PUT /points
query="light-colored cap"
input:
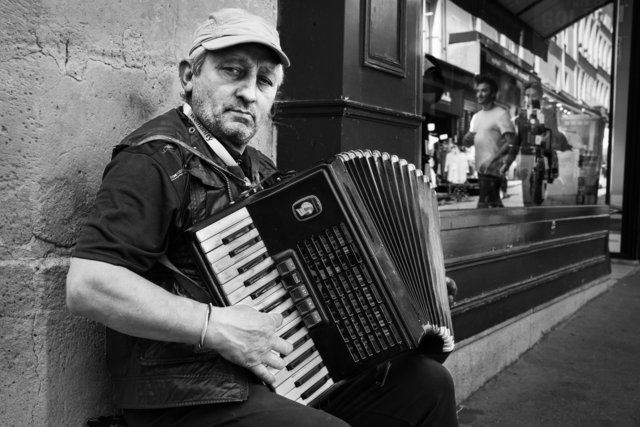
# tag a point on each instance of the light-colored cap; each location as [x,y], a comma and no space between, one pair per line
[230,27]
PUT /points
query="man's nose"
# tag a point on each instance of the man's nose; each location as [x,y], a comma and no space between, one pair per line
[247,89]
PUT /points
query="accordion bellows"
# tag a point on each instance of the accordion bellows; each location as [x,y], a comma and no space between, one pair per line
[349,252]
[405,213]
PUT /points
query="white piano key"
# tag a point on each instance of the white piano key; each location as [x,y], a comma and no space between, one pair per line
[225,250]
[222,224]
[265,299]
[244,291]
[285,383]
[318,392]
[284,374]
[297,352]
[296,392]
[216,240]
[226,268]
[238,281]
[286,332]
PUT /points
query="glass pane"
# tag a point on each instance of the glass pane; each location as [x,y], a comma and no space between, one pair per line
[561,132]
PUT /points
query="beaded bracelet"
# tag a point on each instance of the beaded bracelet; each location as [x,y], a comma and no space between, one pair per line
[205,326]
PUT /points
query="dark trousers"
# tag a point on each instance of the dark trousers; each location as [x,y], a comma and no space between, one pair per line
[416,391]
[489,189]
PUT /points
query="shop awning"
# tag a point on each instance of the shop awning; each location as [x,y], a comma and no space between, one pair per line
[531,23]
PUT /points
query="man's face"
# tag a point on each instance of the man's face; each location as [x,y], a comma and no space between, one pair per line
[530,95]
[484,94]
[234,91]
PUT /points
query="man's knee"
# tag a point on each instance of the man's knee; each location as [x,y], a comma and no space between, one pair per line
[427,375]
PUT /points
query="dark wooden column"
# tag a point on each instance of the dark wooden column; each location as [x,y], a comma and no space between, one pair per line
[355,79]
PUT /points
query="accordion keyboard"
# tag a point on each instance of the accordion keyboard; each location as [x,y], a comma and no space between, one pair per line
[248,275]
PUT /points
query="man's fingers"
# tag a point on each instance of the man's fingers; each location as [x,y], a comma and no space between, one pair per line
[281,346]
[273,360]
[263,373]
[277,319]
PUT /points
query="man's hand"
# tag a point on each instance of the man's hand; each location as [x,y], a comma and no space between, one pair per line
[247,337]
[452,289]
[468,139]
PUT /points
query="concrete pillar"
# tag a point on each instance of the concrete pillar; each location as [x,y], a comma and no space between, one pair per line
[76,76]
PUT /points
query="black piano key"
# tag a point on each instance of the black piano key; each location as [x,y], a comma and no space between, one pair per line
[300,341]
[271,307]
[236,234]
[307,376]
[263,289]
[255,261]
[288,311]
[309,392]
[291,331]
[300,359]
[244,246]
[253,279]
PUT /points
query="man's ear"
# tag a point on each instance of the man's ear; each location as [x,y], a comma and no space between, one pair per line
[186,75]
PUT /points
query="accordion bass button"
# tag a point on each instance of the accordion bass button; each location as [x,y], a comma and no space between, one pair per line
[285,267]
[305,306]
[299,293]
[312,319]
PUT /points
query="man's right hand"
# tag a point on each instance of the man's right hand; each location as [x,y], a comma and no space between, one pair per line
[247,337]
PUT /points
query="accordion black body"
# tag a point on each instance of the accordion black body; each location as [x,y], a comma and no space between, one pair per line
[349,252]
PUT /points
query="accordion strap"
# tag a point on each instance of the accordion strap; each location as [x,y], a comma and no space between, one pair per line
[195,290]
[196,153]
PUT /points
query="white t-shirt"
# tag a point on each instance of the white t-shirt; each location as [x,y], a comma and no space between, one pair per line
[489,125]
[456,166]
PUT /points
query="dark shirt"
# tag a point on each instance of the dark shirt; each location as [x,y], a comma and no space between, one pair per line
[150,194]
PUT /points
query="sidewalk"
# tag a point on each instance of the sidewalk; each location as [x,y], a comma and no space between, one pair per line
[585,372]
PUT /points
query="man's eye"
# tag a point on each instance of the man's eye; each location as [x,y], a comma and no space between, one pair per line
[234,71]
[265,81]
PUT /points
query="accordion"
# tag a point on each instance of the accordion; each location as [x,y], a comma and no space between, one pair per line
[349,253]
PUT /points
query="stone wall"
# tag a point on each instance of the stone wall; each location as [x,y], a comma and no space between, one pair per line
[76,76]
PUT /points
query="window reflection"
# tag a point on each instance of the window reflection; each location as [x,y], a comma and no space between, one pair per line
[573,90]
